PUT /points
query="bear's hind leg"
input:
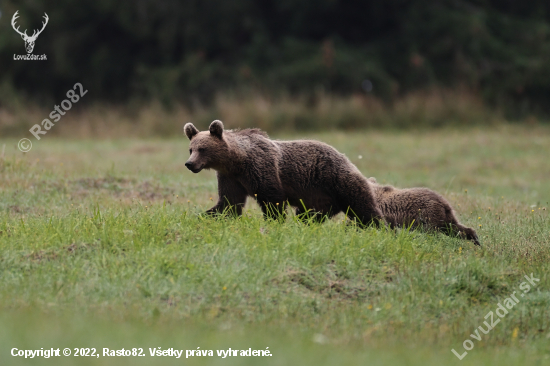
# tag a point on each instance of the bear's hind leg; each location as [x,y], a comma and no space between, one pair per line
[361,207]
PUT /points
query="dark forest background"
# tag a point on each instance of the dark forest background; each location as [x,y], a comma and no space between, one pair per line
[191,50]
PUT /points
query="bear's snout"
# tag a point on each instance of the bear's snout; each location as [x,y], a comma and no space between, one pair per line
[192,167]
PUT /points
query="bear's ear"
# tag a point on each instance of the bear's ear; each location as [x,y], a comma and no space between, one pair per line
[372,180]
[190,130]
[216,129]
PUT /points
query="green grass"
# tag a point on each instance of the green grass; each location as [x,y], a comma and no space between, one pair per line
[101,245]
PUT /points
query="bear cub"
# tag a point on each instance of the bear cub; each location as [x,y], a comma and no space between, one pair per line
[419,207]
[309,175]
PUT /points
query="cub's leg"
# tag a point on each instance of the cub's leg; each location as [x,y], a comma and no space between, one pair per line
[468,233]
[452,224]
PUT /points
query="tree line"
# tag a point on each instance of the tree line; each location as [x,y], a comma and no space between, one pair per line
[190,50]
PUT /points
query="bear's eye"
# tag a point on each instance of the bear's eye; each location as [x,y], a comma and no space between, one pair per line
[202,149]
[190,151]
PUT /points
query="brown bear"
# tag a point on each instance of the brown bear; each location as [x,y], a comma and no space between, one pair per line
[419,207]
[309,175]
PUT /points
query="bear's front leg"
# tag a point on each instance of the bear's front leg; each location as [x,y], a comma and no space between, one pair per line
[272,203]
[232,197]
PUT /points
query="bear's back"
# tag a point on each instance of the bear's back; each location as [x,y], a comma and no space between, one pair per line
[249,132]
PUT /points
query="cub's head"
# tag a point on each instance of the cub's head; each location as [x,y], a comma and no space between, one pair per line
[208,149]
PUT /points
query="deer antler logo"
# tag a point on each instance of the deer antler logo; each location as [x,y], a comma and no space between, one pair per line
[29,41]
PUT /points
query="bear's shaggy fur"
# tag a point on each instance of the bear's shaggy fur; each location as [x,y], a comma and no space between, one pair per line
[309,175]
[419,207]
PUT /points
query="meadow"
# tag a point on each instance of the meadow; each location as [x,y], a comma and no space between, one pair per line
[102,245]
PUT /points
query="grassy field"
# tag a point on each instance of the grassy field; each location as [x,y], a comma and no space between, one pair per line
[101,246]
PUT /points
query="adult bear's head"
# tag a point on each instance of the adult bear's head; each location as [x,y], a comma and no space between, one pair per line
[208,148]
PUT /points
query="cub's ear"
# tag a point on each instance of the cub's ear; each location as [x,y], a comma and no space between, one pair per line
[372,180]
[190,130]
[216,129]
